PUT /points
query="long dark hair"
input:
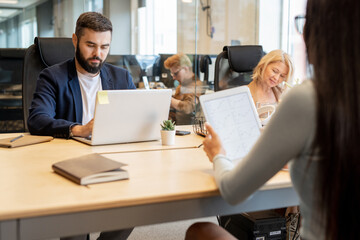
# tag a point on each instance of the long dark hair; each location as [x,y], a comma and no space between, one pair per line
[332,38]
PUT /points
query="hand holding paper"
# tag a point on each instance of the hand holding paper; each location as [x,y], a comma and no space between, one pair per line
[212,143]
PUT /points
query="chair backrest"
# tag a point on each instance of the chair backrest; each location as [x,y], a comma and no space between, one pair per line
[205,61]
[44,53]
[234,66]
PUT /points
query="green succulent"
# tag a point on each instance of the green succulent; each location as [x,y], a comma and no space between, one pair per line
[168,125]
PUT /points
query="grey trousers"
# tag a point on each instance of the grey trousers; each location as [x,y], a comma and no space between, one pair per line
[113,235]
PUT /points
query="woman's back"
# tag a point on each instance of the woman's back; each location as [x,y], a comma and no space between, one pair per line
[332,38]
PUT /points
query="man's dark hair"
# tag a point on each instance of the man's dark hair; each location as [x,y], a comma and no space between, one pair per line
[94,21]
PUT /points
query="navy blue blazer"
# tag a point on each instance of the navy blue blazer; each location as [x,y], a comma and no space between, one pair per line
[57,102]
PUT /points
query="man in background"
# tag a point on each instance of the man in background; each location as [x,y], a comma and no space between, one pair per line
[186,97]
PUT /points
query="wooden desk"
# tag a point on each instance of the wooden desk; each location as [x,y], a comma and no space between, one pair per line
[164,185]
[187,141]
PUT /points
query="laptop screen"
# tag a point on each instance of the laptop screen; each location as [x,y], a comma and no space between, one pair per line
[129,115]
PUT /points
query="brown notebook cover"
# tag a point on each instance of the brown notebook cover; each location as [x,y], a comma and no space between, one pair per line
[24,140]
[91,168]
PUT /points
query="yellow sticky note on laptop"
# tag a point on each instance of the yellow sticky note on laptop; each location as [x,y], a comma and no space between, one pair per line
[103,97]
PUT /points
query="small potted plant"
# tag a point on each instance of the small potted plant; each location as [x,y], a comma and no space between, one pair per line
[168,132]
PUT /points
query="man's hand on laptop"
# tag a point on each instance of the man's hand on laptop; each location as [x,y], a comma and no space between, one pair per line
[83,130]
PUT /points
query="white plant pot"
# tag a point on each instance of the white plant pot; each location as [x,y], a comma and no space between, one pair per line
[167,137]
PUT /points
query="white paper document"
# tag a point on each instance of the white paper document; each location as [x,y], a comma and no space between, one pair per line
[233,116]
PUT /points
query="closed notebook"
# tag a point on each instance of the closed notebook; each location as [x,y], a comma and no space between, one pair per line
[23,140]
[91,168]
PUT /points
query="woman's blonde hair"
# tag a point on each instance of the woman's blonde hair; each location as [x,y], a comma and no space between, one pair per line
[178,60]
[273,56]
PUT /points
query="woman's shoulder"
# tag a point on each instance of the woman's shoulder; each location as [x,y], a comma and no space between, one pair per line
[252,87]
[301,96]
[305,89]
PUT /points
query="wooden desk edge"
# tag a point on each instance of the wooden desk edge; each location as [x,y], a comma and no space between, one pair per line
[120,204]
[102,205]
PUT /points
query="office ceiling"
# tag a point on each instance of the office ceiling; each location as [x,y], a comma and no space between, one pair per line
[11,8]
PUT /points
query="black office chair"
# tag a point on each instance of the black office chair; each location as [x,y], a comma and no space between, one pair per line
[44,53]
[205,61]
[234,66]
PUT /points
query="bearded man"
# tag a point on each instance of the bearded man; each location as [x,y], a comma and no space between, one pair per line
[64,99]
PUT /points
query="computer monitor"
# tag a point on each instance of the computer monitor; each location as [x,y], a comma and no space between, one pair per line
[11,113]
[11,63]
[165,75]
[150,66]
[138,66]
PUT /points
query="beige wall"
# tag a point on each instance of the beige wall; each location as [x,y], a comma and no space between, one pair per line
[119,12]
[232,20]
[66,13]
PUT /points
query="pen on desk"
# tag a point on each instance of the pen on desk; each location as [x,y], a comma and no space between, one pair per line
[14,139]
[200,145]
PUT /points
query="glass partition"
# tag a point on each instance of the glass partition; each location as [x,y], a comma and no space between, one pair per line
[147,32]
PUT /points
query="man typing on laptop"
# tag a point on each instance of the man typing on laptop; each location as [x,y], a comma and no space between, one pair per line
[64,99]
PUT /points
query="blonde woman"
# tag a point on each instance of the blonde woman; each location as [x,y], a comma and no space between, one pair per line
[269,76]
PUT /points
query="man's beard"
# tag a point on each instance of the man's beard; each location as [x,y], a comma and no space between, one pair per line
[84,62]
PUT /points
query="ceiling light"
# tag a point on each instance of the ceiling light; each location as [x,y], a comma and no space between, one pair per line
[9,1]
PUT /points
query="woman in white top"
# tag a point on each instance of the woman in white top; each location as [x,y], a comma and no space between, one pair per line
[316,127]
[269,76]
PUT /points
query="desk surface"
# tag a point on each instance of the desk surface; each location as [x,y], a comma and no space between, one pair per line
[186,141]
[182,142]
[30,188]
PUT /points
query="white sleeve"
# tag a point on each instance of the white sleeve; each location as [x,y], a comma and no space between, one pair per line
[283,139]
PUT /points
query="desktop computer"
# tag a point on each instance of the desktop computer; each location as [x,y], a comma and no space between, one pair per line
[263,225]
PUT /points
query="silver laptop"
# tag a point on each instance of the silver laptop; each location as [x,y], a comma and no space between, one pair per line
[233,116]
[123,116]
